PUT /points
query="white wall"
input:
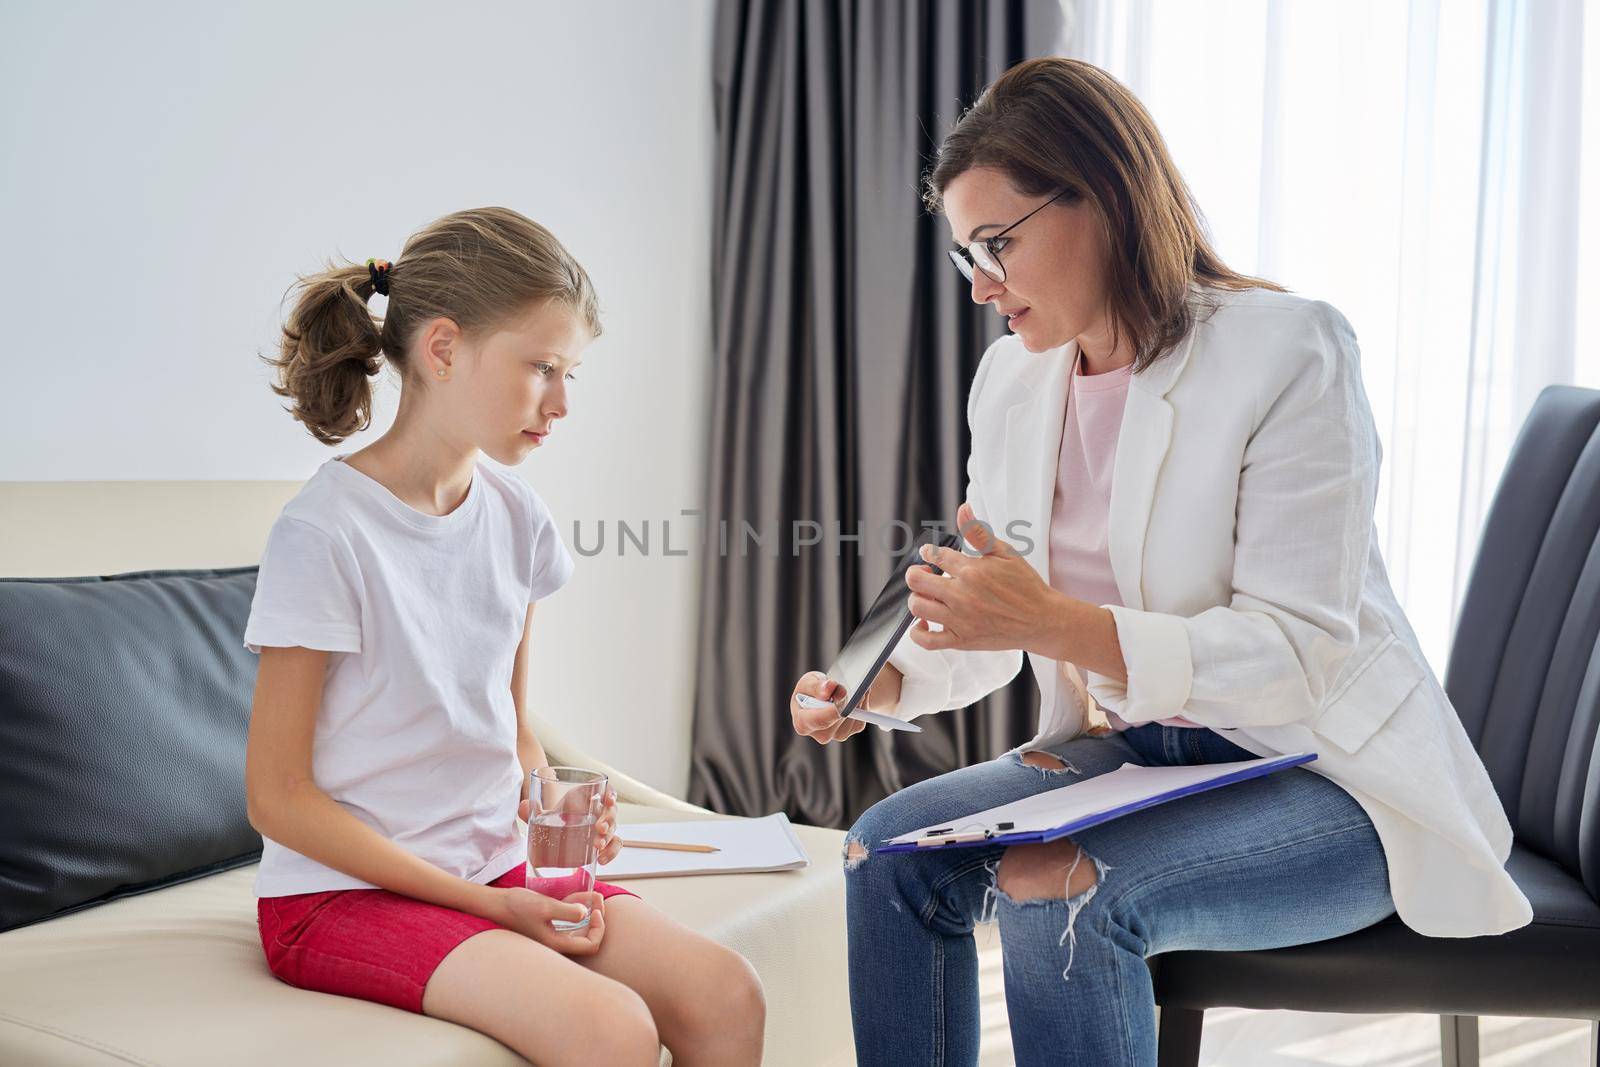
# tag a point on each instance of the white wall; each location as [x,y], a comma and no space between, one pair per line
[165,171]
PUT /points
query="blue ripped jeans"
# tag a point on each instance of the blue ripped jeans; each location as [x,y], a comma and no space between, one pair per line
[1281,860]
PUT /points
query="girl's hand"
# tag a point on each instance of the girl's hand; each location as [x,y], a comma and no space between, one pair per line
[606,841]
[529,914]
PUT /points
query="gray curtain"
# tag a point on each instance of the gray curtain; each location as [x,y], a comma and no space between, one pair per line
[844,346]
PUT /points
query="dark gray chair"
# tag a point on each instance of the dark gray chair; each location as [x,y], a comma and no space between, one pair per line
[1524,676]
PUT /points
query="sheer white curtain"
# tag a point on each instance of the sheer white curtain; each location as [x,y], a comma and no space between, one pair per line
[1418,165]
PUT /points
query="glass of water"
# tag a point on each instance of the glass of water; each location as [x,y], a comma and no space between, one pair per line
[566,804]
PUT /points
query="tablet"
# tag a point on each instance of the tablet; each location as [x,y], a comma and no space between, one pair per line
[874,641]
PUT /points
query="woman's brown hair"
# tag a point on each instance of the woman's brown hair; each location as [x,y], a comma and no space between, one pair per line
[479,268]
[1054,123]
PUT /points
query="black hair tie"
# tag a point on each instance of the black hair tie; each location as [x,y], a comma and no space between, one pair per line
[378,271]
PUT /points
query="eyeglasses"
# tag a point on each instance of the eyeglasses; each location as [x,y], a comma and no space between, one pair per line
[984,255]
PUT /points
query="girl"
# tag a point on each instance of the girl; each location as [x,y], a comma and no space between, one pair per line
[393,615]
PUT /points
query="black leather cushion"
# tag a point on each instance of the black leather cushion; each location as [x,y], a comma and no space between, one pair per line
[1550,968]
[1524,671]
[124,703]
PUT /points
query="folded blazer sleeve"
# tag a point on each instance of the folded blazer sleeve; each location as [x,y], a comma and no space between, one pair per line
[937,680]
[1307,488]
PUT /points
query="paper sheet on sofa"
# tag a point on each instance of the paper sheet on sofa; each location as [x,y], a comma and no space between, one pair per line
[1059,812]
[748,846]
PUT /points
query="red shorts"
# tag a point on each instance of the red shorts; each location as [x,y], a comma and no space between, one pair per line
[370,943]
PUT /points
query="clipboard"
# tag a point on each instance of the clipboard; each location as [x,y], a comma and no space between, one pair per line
[1056,813]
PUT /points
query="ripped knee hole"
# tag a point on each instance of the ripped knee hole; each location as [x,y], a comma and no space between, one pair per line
[1046,763]
[1052,871]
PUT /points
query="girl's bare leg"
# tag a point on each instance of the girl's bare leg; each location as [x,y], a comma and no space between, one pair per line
[542,1005]
[706,1000]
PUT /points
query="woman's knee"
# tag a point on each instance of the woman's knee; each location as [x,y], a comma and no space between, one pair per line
[1054,870]
[1045,761]
[876,825]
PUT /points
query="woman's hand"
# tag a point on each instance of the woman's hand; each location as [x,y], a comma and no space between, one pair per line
[823,725]
[529,914]
[992,602]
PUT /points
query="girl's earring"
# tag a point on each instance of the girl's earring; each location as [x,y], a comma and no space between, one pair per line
[440,372]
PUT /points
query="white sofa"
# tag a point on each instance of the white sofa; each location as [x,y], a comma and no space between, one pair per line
[176,977]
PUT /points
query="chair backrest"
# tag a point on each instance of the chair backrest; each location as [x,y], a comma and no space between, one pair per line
[1524,671]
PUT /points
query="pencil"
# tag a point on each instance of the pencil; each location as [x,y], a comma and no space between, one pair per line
[670,847]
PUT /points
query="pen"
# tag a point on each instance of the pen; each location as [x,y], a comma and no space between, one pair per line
[946,835]
[925,842]
[668,846]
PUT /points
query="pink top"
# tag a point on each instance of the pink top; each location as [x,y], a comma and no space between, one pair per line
[1080,551]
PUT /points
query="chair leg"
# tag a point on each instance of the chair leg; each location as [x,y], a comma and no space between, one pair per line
[1458,1040]
[1178,1037]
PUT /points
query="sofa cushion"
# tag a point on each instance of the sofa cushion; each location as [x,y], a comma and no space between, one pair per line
[177,977]
[124,705]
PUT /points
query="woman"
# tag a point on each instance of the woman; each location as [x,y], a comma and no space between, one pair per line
[1170,495]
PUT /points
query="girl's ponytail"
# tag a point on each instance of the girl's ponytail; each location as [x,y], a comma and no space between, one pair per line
[330,352]
[479,268]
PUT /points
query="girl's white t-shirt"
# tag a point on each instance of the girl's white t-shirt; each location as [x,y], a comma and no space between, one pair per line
[422,615]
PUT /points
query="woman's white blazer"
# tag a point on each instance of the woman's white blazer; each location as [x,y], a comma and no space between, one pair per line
[1254,598]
